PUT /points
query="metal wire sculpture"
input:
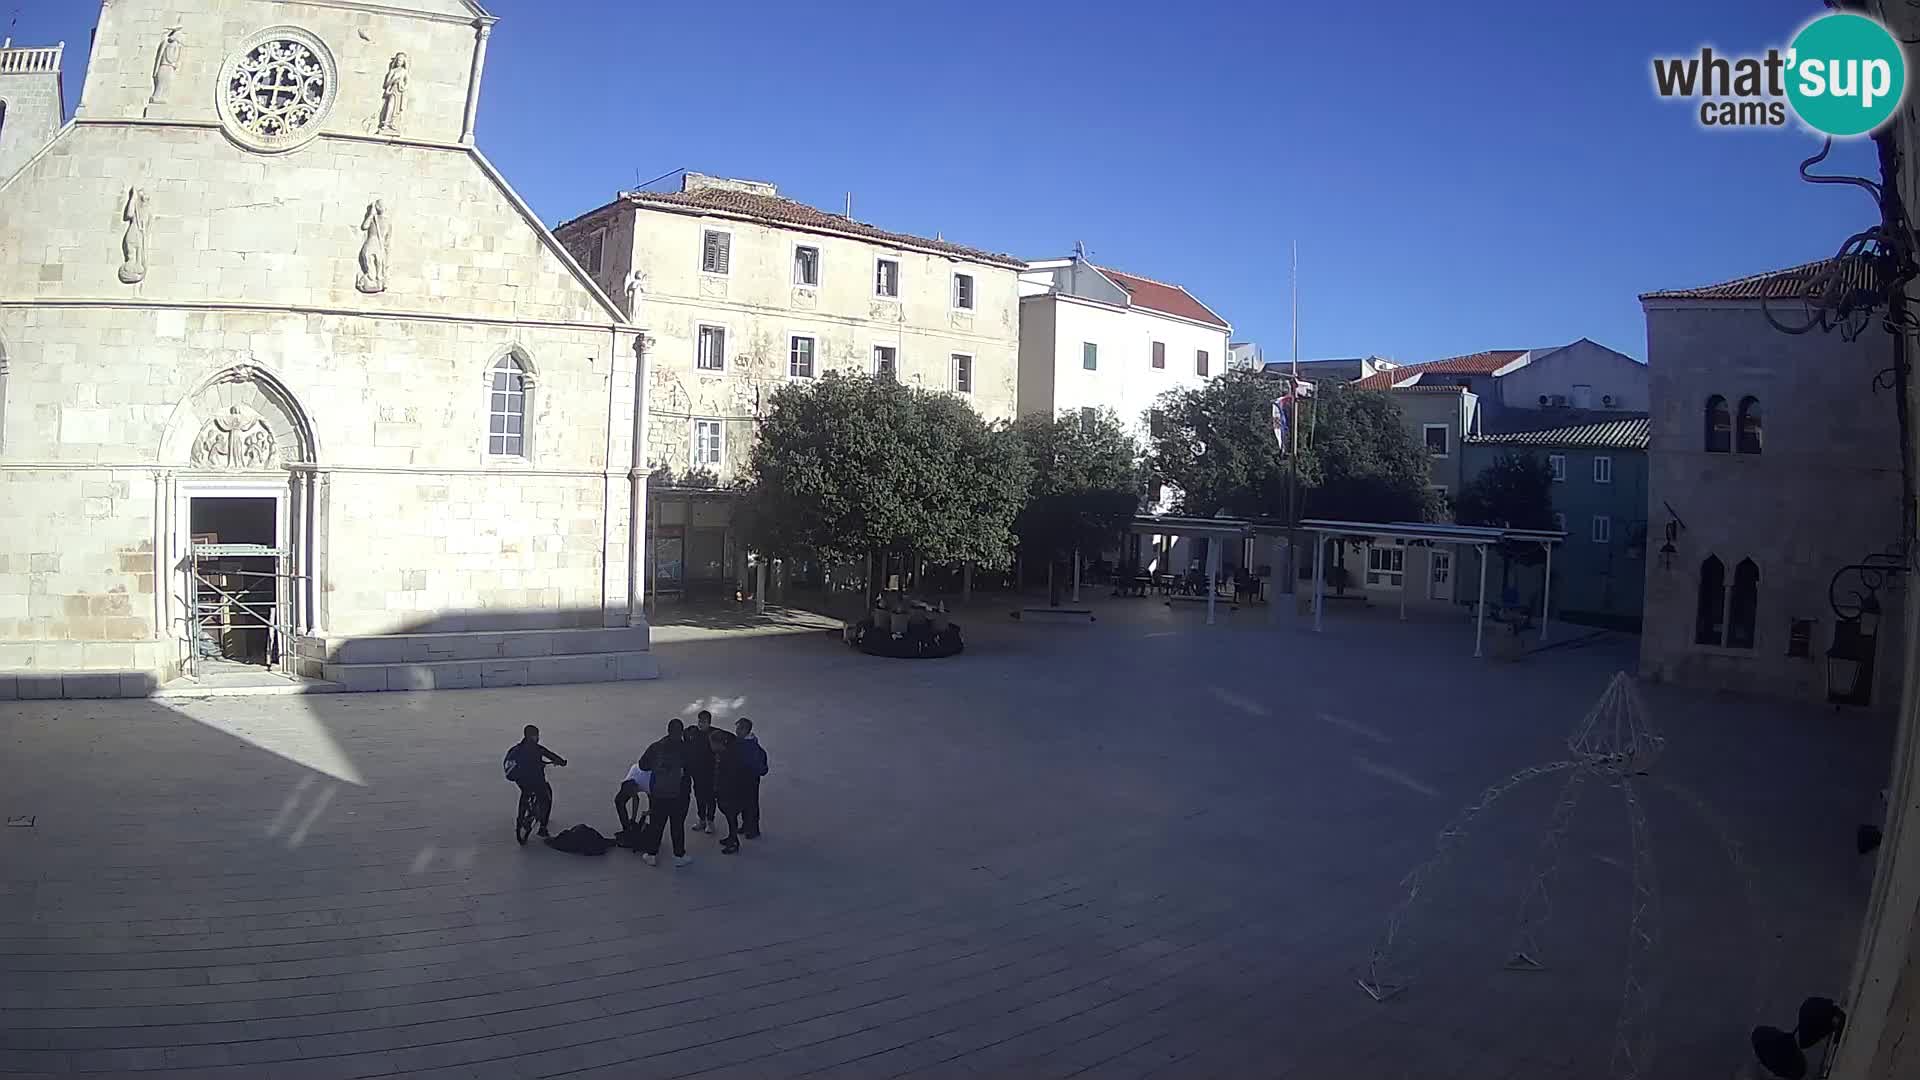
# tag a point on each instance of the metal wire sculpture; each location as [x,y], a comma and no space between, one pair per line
[1616,745]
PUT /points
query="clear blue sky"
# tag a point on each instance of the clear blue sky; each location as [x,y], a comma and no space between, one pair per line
[1458,178]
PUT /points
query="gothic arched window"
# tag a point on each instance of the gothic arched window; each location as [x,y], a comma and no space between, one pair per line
[510,386]
[1749,429]
[1709,624]
[1744,605]
[1719,426]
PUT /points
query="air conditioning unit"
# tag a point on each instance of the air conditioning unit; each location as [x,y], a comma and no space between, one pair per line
[1544,399]
[1557,400]
[1607,400]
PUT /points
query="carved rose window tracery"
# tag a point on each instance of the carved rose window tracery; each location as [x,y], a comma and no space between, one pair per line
[277,89]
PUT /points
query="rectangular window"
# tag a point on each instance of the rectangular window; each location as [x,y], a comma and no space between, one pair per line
[886,277]
[1800,637]
[1603,470]
[1088,416]
[963,373]
[1436,436]
[1386,566]
[506,418]
[1559,522]
[1089,355]
[709,443]
[1159,354]
[963,291]
[597,251]
[1602,529]
[800,358]
[712,353]
[1200,361]
[884,361]
[1557,464]
[716,252]
[806,266]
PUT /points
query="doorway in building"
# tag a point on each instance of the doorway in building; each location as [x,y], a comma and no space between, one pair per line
[1439,574]
[236,565]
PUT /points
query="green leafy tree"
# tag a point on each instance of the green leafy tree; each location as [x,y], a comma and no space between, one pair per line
[1364,464]
[1215,443]
[1084,488]
[1515,492]
[846,467]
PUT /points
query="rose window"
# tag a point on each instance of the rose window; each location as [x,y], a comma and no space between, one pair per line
[276,91]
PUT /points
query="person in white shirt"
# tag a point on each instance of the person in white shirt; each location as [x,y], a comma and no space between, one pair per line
[627,803]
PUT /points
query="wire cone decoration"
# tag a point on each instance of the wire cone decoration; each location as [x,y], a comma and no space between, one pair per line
[1614,744]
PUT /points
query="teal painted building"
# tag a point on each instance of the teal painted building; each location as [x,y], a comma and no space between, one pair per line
[1600,501]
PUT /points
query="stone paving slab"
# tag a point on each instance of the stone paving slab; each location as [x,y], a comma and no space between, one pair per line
[1146,848]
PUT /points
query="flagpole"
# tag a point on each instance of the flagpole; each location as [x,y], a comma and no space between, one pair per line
[1293,456]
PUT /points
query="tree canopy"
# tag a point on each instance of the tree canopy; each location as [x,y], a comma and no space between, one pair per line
[848,466]
[1215,443]
[1515,492]
[1084,485]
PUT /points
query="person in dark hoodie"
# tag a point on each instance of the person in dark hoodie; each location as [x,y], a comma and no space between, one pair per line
[730,777]
[700,767]
[753,762]
[671,788]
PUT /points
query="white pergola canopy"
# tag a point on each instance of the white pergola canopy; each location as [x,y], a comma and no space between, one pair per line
[1480,537]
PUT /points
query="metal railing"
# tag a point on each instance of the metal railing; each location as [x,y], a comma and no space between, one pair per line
[31,61]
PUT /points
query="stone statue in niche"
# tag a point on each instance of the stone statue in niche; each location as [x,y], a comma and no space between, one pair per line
[133,246]
[235,439]
[393,95]
[373,249]
[166,64]
[636,289]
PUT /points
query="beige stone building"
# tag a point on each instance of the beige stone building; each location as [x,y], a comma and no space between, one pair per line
[265,291]
[743,291]
[1773,468]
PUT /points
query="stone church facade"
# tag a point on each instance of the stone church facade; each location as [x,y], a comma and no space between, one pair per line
[264,290]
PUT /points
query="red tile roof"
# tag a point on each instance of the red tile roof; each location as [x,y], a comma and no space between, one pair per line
[1167,299]
[1792,283]
[1480,363]
[774,210]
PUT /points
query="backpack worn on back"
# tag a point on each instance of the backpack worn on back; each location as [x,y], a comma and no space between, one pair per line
[669,771]
[510,764]
[580,840]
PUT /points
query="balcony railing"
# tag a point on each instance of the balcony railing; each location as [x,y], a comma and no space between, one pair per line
[31,61]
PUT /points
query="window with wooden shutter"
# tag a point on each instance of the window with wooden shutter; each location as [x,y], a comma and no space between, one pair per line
[1159,354]
[716,251]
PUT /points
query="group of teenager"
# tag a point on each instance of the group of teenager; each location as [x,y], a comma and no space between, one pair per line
[702,769]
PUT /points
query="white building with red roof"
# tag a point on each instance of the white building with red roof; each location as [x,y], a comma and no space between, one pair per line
[1092,338]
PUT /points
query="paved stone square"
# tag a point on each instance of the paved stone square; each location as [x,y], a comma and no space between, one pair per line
[1145,847]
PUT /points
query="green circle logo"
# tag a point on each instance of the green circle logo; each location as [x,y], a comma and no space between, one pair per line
[1847,74]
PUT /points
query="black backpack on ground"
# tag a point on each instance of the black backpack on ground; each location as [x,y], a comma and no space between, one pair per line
[580,840]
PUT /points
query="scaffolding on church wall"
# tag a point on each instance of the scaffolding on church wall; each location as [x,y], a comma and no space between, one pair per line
[229,604]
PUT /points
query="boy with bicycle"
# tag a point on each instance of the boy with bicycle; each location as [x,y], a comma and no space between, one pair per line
[526,765]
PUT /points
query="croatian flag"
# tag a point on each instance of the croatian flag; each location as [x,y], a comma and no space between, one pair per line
[1282,416]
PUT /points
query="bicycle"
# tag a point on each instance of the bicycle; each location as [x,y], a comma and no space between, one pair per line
[530,813]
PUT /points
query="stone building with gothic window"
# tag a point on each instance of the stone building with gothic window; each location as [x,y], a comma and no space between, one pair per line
[294,377]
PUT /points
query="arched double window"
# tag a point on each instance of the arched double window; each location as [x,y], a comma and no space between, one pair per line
[509,393]
[1719,426]
[1748,431]
[1723,619]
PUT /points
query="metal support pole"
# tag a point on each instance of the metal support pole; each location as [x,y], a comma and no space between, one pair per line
[966,583]
[1546,592]
[1213,567]
[760,587]
[1076,575]
[1319,578]
[1480,609]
